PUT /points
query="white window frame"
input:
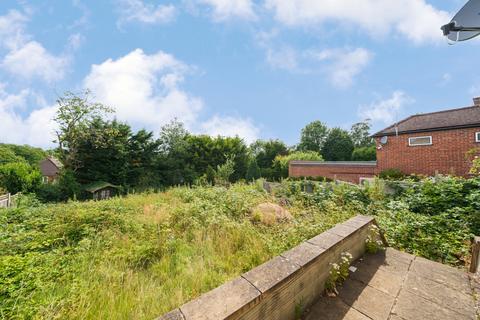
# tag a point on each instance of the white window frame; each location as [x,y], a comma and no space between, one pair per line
[420,144]
[477,136]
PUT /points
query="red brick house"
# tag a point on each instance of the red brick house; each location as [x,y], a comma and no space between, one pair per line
[425,144]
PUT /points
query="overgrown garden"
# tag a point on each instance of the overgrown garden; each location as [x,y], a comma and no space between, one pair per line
[142,255]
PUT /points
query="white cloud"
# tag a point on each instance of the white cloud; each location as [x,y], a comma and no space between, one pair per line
[139,11]
[35,129]
[144,89]
[32,61]
[231,127]
[386,111]
[145,92]
[345,64]
[75,41]
[285,58]
[416,20]
[342,65]
[226,9]
[25,57]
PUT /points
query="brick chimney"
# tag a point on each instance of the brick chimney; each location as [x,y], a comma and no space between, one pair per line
[476,101]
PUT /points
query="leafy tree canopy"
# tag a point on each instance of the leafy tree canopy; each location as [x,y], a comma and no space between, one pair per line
[338,146]
[74,116]
[19,153]
[313,136]
[19,177]
[360,134]
[265,151]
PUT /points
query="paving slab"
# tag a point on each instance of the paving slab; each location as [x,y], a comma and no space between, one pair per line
[380,279]
[366,299]
[393,285]
[410,306]
[452,277]
[440,294]
[333,308]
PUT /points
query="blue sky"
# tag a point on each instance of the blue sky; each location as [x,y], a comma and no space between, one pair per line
[259,69]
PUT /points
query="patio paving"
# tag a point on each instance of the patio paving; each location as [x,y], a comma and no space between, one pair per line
[398,286]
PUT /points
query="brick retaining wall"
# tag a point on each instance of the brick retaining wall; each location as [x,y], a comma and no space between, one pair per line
[275,289]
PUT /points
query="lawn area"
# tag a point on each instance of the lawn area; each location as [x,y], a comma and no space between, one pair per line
[140,256]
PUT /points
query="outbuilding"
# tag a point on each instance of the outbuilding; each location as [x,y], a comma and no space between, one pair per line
[101,190]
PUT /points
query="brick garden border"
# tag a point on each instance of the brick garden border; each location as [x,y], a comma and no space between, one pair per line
[280,287]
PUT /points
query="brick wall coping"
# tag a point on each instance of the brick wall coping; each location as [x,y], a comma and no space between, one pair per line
[280,287]
[335,163]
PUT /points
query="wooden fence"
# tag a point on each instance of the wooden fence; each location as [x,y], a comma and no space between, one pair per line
[8,200]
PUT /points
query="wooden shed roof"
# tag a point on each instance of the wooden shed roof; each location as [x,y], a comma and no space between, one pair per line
[99,185]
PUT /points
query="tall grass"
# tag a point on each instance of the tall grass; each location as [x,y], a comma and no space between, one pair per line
[140,256]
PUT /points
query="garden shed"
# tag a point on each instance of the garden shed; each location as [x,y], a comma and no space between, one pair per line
[101,190]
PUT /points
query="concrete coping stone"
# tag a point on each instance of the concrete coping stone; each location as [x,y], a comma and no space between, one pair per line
[239,295]
[172,315]
[271,273]
[303,254]
[221,302]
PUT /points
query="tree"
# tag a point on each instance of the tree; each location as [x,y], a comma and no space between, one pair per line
[224,172]
[364,154]
[102,152]
[266,151]
[172,165]
[360,134]
[338,146]
[143,150]
[204,151]
[172,136]
[74,115]
[19,177]
[7,155]
[253,171]
[313,136]
[15,153]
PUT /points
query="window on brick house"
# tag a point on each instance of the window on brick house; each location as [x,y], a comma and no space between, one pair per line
[420,141]
[477,136]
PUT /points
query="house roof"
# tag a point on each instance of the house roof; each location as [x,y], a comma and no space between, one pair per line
[441,120]
[56,162]
[99,185]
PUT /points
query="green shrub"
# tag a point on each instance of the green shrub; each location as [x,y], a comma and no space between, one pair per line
[19,177]
[280,164]
[365,153]
[392,174]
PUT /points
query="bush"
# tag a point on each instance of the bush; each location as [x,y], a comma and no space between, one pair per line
[392,174]
[281,162]
[19,177]
[364,154]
